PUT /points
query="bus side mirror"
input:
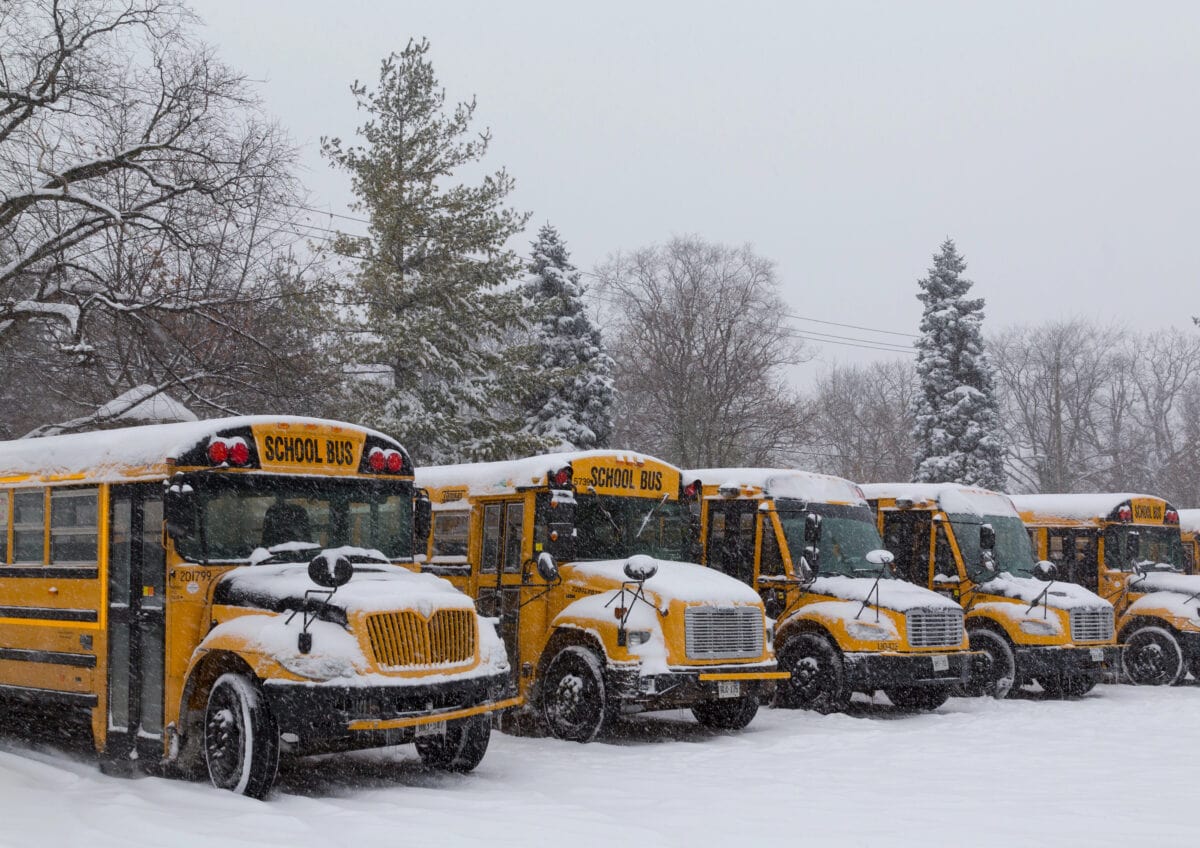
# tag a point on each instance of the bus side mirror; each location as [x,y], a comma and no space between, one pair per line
[810,562]
[1045,570]
[329,570]
[547,568]
[422,522]
[882,557]
[987,537]
[179,508]
[1133,546]
[812,528]
[640,567]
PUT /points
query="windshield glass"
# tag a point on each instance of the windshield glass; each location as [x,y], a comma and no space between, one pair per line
[238,513]
[1159,548]
[611,527]
[847,534]
[1013,552]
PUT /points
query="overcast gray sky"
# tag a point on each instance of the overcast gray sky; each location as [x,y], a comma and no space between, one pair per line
[1057,143]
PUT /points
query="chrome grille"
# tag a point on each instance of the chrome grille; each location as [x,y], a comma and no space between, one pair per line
[408,640]
[1091,625]
[934,628]
[720,633]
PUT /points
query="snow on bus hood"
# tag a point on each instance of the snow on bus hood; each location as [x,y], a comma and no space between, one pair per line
[898,595]
[1159,581]
[374,587]
[1062,595]
[675,581]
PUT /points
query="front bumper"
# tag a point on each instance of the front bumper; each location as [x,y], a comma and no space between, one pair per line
[688,686]
[1093,662]
[317,718]
[869,671]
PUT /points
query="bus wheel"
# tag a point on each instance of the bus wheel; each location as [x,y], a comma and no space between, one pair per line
[461,748]
[729,714]
[1002,668]
[575,704]
[241,741]
[818,678]
[916,698]
[1153,657]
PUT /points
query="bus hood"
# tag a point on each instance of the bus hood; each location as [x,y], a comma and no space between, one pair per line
[375,587]
[688,582]
[1062,595]
[898,595]
[1162,581]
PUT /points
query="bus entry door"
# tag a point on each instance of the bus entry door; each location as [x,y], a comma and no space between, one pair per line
[500,568]
[136,622]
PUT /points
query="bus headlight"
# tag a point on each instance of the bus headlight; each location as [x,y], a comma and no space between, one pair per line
[866,631]
[638,637]
[1040,627]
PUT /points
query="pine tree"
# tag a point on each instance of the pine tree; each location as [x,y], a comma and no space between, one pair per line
[957,429]
[430,287]
[572,398]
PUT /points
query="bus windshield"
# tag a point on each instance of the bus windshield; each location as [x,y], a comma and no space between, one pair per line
[1159,548]
[848,534]
[1013,552]
[612,527]
[238,513]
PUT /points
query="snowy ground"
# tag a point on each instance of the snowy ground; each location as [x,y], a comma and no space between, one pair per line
[1112,769]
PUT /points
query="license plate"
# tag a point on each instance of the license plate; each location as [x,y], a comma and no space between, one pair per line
[1098,654]
[941,663]
[435,728]
[728,688]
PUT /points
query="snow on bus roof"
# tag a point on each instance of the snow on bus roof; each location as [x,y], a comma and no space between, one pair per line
[100,452]
[506,476]
[784,483]
[1189,520]
[1075,507]
[951,497]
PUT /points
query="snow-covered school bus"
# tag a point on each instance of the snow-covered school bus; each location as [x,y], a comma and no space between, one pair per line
[580,555]
[214,594]
[1189,527]
[808,544]
[1129,548]
[970,544]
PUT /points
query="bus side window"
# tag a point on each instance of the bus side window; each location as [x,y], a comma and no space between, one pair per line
[74,528]
[4,527]
[771,564]
[514,525]
[29,527]
[490,559]
[450,534]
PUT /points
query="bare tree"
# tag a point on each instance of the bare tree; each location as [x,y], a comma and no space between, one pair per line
[862,422]
[702,346]
[144,206]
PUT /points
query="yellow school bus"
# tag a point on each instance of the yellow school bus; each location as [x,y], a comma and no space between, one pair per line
[970,544]
[213,595]
[1127,547]
[578,555]
[1189,527]
[844,623]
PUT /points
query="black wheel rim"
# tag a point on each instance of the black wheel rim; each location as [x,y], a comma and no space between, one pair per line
[224,737]
[573,702]
[1149,661]
[811,678]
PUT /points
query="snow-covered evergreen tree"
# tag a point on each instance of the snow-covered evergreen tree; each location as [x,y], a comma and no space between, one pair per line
[430,290]
[957,430]
[571,400]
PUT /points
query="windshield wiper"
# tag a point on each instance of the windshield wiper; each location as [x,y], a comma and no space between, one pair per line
[646,518]
[606,513]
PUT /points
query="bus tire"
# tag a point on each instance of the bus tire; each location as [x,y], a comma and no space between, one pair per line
[818,680]
[575,702]
[1153,657]
[917,698]
[461,748]
[727,714]
[241,739]
[1002,668]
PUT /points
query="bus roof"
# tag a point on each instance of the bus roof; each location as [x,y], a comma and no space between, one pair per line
[784,483]
[508,476]
[1092,506]
[950,497]
[107,455]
